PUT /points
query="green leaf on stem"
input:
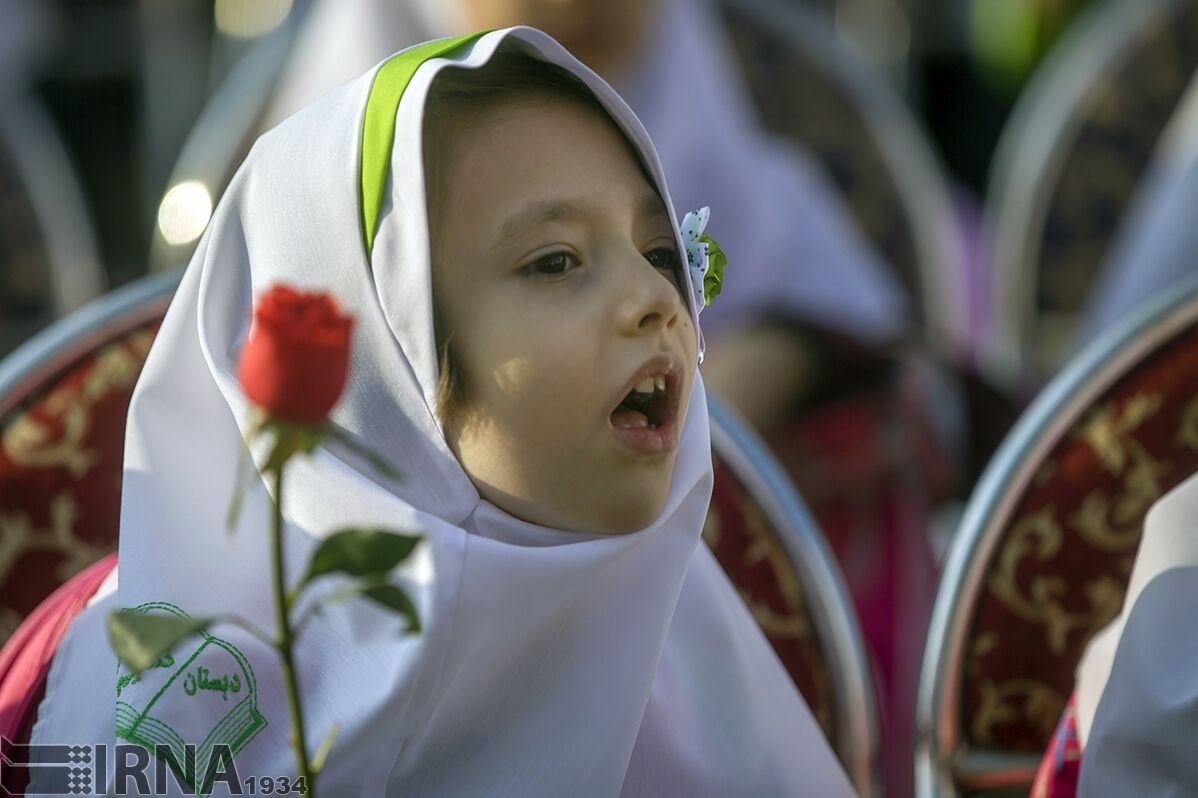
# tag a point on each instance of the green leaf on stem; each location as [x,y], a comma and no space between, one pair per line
[379,591]
[393,598]
[141,640]
[359,552]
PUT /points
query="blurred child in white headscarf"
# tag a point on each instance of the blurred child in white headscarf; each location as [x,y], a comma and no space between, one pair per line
[1130,727]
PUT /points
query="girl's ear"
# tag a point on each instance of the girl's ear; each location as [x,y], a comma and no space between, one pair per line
[451,386]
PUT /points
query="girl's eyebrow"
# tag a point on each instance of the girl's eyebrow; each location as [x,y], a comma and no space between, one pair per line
[649,206]
[538,213]
[652,208]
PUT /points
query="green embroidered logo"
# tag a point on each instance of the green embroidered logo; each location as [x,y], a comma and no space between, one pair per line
[213,696]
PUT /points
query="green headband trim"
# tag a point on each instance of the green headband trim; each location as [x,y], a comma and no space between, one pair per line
[378,130]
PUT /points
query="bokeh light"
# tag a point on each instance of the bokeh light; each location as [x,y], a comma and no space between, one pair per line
[245,19]
[184,212]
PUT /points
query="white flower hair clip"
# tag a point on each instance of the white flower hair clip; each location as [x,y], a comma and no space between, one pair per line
[704,258]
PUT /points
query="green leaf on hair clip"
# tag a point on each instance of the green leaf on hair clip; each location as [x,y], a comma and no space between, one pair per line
[713,280]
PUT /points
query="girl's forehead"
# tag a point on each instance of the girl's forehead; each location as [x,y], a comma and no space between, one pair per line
[547,162]
[523,216]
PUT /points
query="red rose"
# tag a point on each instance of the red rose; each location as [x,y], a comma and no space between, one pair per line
[295,363]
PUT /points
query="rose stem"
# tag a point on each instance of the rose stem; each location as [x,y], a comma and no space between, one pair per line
[285,641]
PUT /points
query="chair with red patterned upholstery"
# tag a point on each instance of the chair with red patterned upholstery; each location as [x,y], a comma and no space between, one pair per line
[867,454]
[772,550]
[1043,554]
[63,398]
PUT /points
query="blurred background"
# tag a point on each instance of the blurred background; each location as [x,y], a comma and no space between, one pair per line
[1003,159]
[122,120]
[959,194]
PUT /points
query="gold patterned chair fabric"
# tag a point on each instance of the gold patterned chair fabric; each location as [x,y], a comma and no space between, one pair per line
[60,469]
[806,90]
[1043,555]
[63,399]
[63,402]
[1071,160]
[747,548]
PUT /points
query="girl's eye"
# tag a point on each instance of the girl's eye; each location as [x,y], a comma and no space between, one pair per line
[553,265]
[666,260]
[663,258]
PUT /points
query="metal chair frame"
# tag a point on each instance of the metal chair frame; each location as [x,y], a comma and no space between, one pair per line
[1030,156]
[45,355]
[742,452]
[942,765]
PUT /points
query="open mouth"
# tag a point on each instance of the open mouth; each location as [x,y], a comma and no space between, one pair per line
[645,406]
[645,419]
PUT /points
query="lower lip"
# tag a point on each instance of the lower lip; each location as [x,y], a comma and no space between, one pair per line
[642,440]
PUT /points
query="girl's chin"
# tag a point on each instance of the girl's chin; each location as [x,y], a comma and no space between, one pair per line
[625,515]
[632,494]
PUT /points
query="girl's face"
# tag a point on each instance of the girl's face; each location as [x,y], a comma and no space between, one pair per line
[554,276]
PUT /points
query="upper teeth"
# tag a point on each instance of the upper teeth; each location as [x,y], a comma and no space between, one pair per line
[649,384]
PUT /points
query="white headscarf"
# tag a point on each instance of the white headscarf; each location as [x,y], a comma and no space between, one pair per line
[1143,739]
[796,249]
[1168,543]
[551,663]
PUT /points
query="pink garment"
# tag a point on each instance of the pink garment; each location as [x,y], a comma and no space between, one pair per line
[1059,770]
[26,657]
[869,480]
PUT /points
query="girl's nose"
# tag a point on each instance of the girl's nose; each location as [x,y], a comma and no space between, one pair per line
[650,300]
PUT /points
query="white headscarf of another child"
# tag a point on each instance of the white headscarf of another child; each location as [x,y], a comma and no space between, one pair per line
[1137,694]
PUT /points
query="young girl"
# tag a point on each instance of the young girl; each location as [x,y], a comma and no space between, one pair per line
[495,219]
